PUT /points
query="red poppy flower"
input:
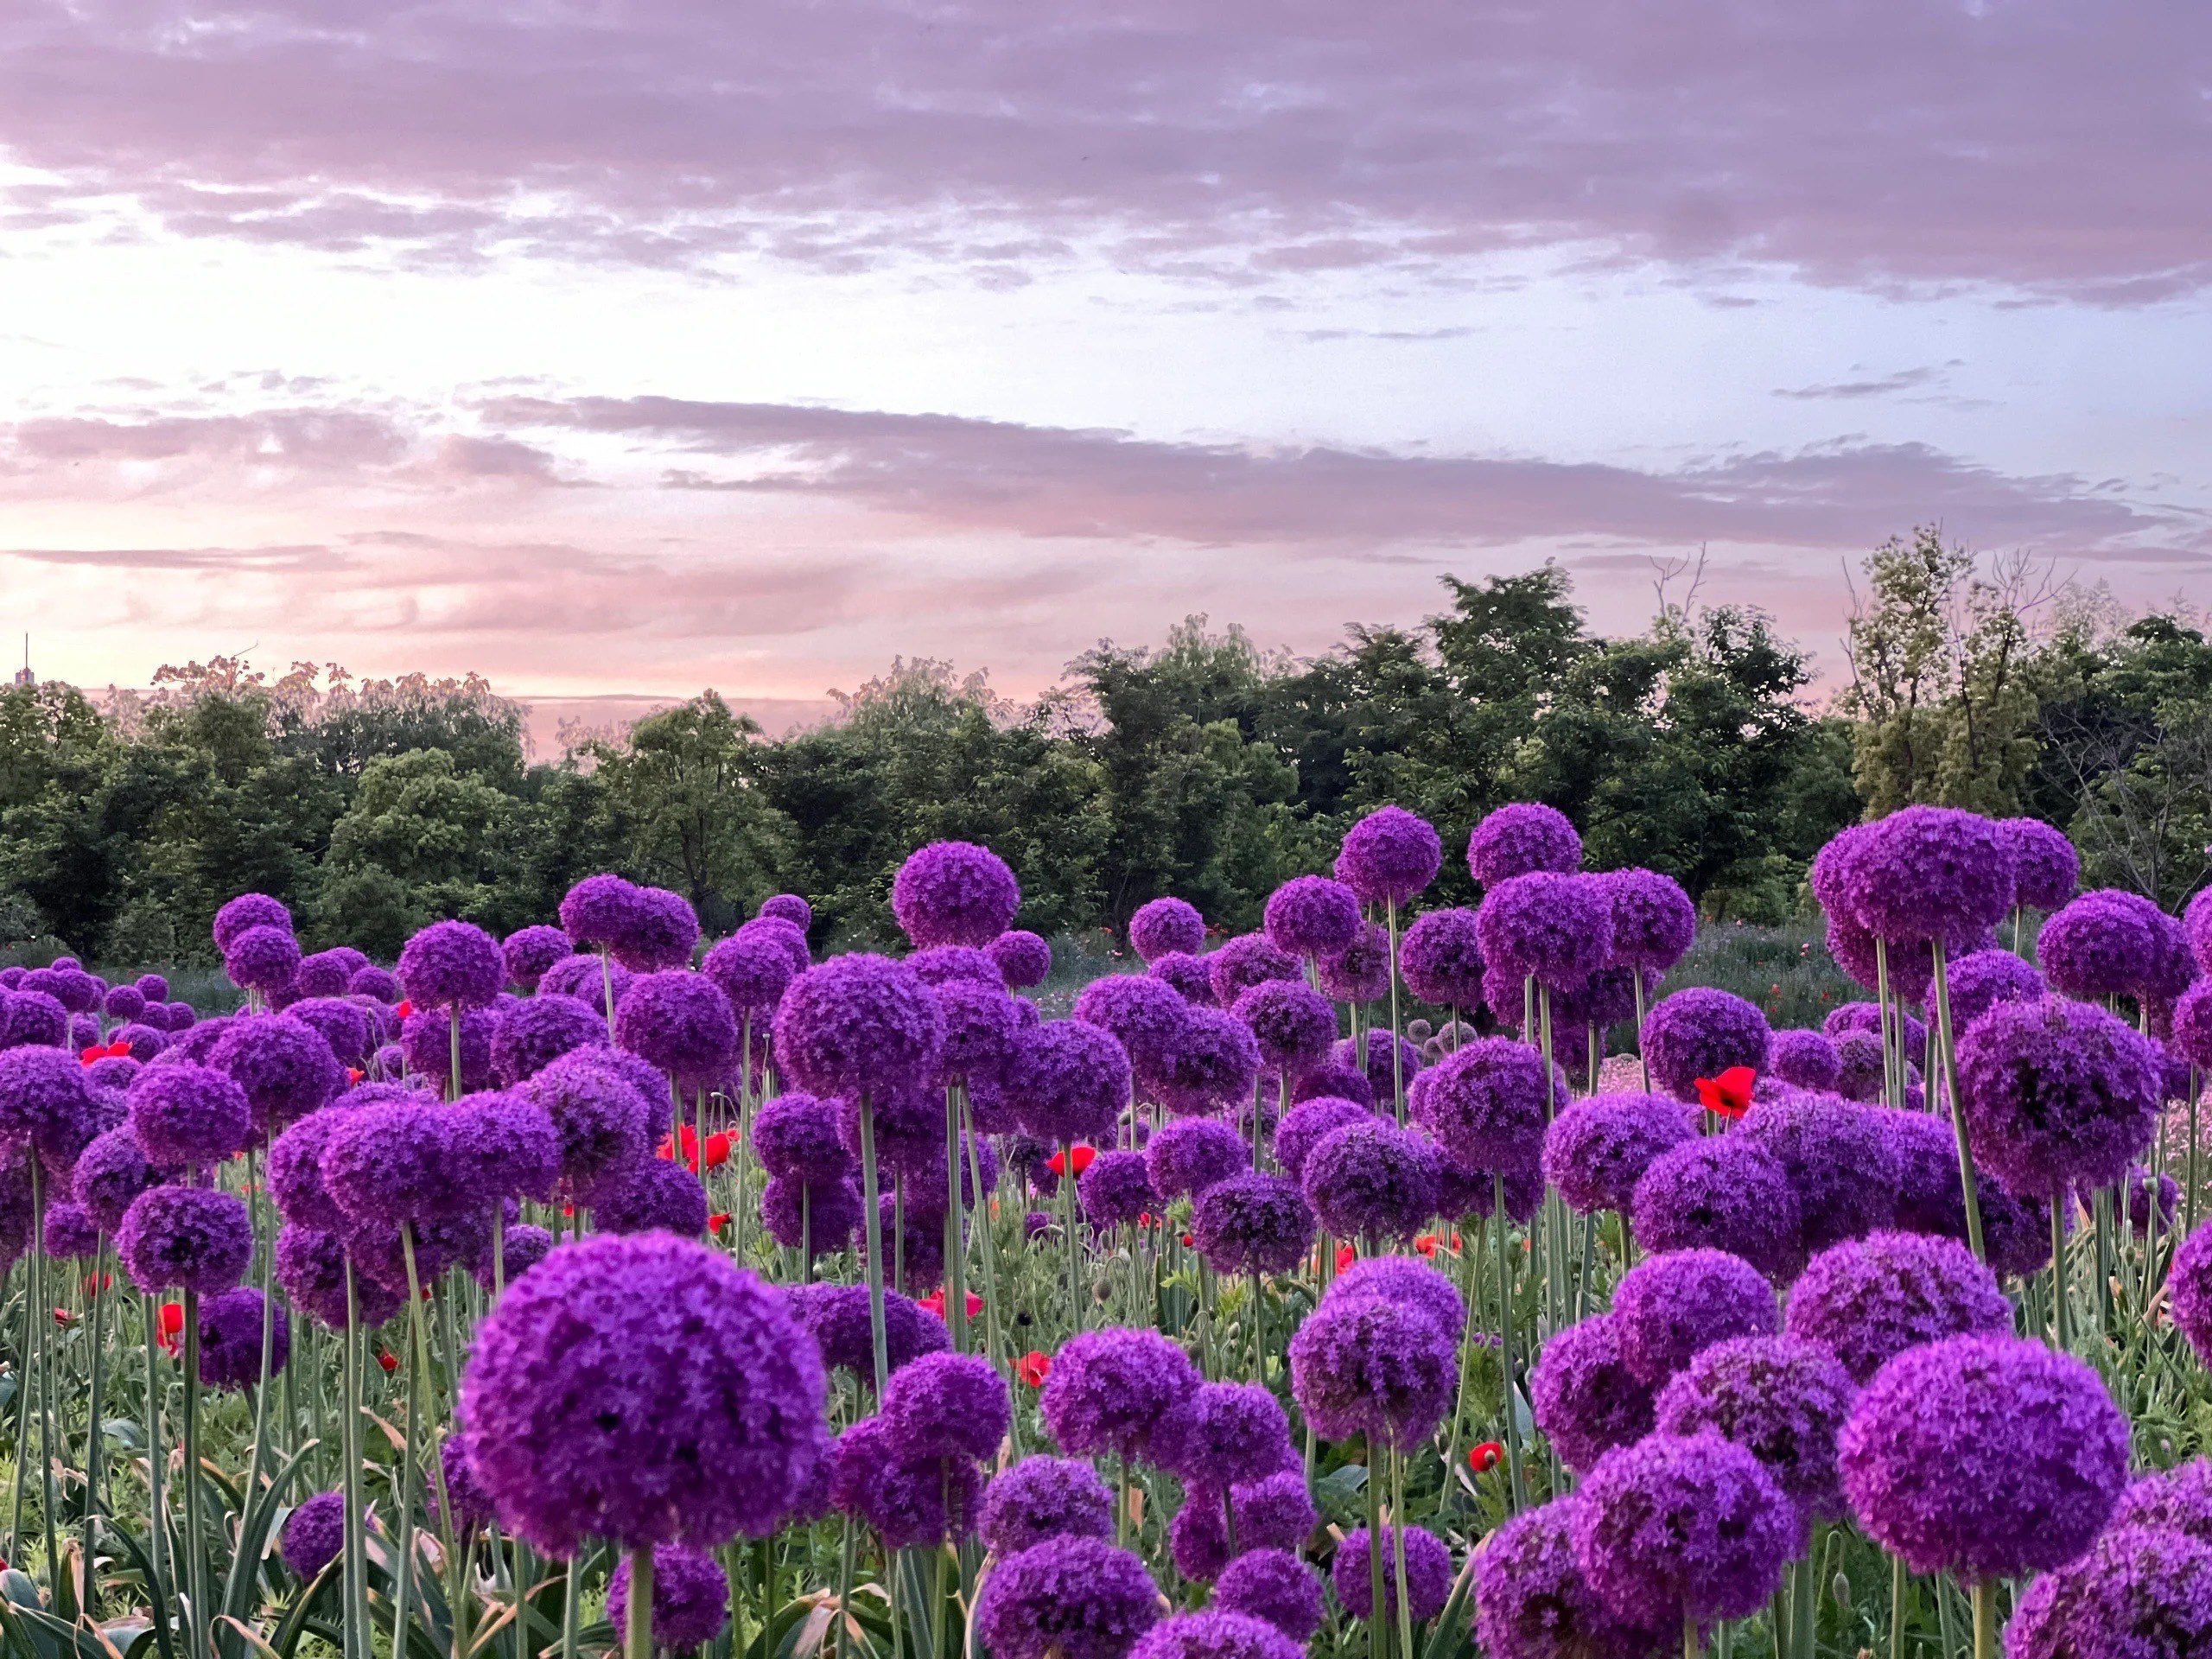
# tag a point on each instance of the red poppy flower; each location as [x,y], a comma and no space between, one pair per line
[386,1359]
[87,1056]
[717,1149]
[64,1318]
[405,1009]
[94,1286]
[1033,1368]
[118,1051]
[1345,1256]
[354,1074]
[716,1223]
[1486,1457]
[168,1328]
[1186,1241]
[1084,1158]
[1728,1095]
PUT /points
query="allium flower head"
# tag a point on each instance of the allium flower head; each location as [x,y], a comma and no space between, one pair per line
[1428,1574]
[1532,1602]
[644,1389]
[1401,1278]
[1361,971]
[2192,1025]
[1585,1397]
[42,1095]
[795,1134]
[1164,926]
[1066,1598]
[34,1019]
[311,1268]
[1293,1023]
[127,1002]
[1521,838]
[390,1162]
[1311,916]
[1986,1457]
[1868,1300]
[262,959]
[1222,1434]
[2104,943]
[751,972]
[189,1116]
[1441,958]
[788,907]
[1215,1059]
[1672,1307]
[1307,1124]
[820,1216]
[1362,1365]
[249,910]
[1276,1513]
[1598,1149]
[587,978]
[661,934]
[908,1502]
[1700,1032]
[1389,856]
[1275,1586]
[655,1196]
[1116,1189]
[426,1040]
[534,1032]
[528,951]
[690,1598]
[836,1317]
[1979,981]
[1189,975]
[1248,959]
[1782,1400]
[1555,928]
[1044,1498]
[1487,1103]
[1024,959]
[1805,1060]
[681,1023]
[501,1147]
[314,1534]
[954,893]
[229,1339]
[1682,1528]
[604,1122]
[1931,873]
[1252,1222]
[1842,1168]
[1108,1390]
[111,1172]
[2045,868]
[185,1238]
[1070,1082]
[1655,923]
[599,910]
[858,1024]
[2179,1500]
[1189,1155]
[340,1021]
[1371,1179]
[520,1248]
[947,965]
[1217,1633]
[1145,1015]
[2190,1283]
[2058,1093]
[377,984]
[948,1406]
[70,1231]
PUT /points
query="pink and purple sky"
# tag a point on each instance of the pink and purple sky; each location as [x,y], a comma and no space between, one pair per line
[634,345]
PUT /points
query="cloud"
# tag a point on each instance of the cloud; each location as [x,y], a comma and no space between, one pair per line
[1877,386]
[2033,144]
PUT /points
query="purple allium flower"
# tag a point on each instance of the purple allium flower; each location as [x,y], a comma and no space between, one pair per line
[1598,1149]
[859,1024]
[1669,1309]
[2045,868]
[1868,1300]
[1252,1222]
[836,1316]
[662,933]
[377,983]
[1044,1498]
[314,1534]
[820,1216]
[1782,1400]
[1024,958]
[1189,1155]
[2104,943]
[1477,1190]
[2191,1036]
[1912,963]
[341,1022]
[452,965]
[1361,971]
[1311,916]
[528,952]
[954,892]
[2057,1093]
[534,1032]
[1223,1434]
[1931,873]
[249,910]
[785,936]
[751,971]
[1371,1053]
[788,907]
[1070,1082]
[2139,1592]
[125,1002]
[42,1096]
[34,1019]
[1276,1513]
[113,1073]
[606,1124]
[111,1172]
[1986,1457]
[185,1238]
[323,975]
[311,1267]
[646,1391]
[520,1248]
[187,1115]
[296,1185]
[1585,1397]
[1979,981]
[587,978]
[1293,1023]
[656,1195]
[1842,1168]
[1441,958]
[1275,1586]
[1655,923]
[2149,1203]
[143,1041]
[2190,1278]
[286,1067]
[1389,856]
[1109,1388]
[1116,1189]
[1215,1634]
[1532,1602]
[681,1023]
[1519,839]
[390,1162]
[948,1406]
[795,1134]
[1486,1104]
[1307,1124]
[599,910]
[1805,1060]
[472,1506]
[155,988]
[1428,1574]
[1371,1179]
[379,1247]
[229,1339]
[1248,960]
[1362,1365]
[1401,1278]
[1676,1529]
[1189,975]
[1145,1015]
[2179,1500]
[947,964]
[908,1501]
[1702,1033]
[1166,927]
[501,1147]
[1557,930]
[84,1031]
[1066,1598]
[262,959]
[70,1231]
[690,1598]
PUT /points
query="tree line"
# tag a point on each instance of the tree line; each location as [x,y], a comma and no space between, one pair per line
[1204,767]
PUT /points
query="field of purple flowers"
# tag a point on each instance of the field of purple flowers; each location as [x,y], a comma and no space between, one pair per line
[1335,1289]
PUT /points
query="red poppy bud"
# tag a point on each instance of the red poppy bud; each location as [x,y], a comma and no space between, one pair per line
[1486,1457]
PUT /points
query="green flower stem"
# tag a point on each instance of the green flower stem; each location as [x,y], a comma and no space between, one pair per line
[1958,1108]
[637,1636]
[872,1221]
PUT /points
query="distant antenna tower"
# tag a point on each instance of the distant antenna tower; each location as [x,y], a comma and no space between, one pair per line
[24,675]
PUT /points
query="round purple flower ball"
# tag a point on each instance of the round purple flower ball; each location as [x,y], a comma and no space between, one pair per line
[125,1002]
[340,1021]
[1188,975]
[690,1598]
[2104,943]
[1781,1400]
[1108,1389]
[262,959]
[1676,1529]
[1293,1023]
[751,971]
[1521,838]
[1248,960]
[681,1023]
[189,1116]
[311,1268]
[907,1501]
[229,1339]
[655,1196]
[1841,1166]
[1585,1397]
[249,910]
[2190,1283]
[1024,958]
[1362,1365]
[1116,1189]
[1307,1124]
[1555,928]
[185,1238]
[1804,1059]
[1441,958]
[1428,1573]
[1252,1222]
[1598,1149]
[1984,1456]
[1532,1602]
[1371,1179]
[1672,1307]
[1222,1434]
[70,1232]
[604,1122]
[1215,1634]
[1189,1155]
[662,933]
[1361,971]
[948,1406]
[1144,1014]
[1066,1598]
[1275,1586]
[286,1067]
[1276,1513]
[314,1534]
[1166,927]
[1044,1498]
[42,1095]
[954,892]
[111,1172]
[947,965]
[1868,1300]
[376,983]
[1389,856]
[391,1162]
[646,1391]
[795,1134]
[452,965]
[2045,868]
[1070,1082]
[520,1248]
[836,1317]
[858,1024]
[2138,1591]
[1401,1278]
[528,951]
[1487,1104]
[1655,923]
[1702,1033]
[1981,980]
[2058,1093]
[819,1217]
[587,978]
[1311,916]
[1931,873]
[534,1032]
[788,907]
